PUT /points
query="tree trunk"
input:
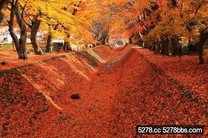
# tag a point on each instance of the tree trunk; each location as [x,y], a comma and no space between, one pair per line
[48,45]
[49,39]
[11,26]
[66,46]
[200,53]
[22,54]
[199,46]
[34,30]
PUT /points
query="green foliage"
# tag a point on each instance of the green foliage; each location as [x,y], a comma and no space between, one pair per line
[6,47]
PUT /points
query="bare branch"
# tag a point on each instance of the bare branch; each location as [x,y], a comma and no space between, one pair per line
[204,29]
[23,11]
[198,8]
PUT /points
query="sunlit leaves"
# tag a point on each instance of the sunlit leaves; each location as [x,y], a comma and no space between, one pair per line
[187,19]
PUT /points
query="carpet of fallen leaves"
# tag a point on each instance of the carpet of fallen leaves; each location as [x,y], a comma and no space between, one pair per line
[117,90]
[11,59]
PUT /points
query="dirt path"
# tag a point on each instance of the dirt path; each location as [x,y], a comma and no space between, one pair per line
[126,91]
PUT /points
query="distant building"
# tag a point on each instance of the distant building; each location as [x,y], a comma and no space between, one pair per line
[5,37]
[78,47]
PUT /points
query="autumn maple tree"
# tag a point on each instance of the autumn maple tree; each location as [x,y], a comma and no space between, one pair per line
[170,21]
[63,19]
[20,43]
[158,24]
[184,18]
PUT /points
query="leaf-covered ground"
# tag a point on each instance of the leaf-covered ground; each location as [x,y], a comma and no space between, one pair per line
[118,90]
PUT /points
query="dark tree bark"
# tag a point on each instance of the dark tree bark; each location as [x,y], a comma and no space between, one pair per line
[200,53]
[34,26]
[48,45]
[20,43]
[199,46]
[23,35]
[49,39]
[11,26]
[34,29]
[66,46]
